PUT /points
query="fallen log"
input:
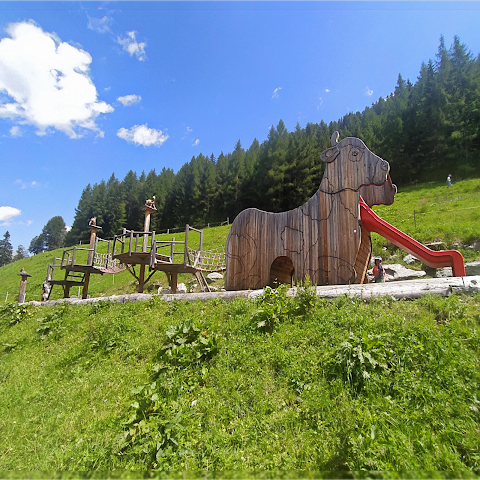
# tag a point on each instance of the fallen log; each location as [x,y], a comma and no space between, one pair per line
[408,289]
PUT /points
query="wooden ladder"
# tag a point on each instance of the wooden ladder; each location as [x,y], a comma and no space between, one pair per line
[202,281]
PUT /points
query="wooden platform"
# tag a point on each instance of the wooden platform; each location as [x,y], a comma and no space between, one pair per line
[82,269]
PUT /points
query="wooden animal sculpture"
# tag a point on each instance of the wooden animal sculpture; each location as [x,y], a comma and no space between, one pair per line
[320,239]
[150,203]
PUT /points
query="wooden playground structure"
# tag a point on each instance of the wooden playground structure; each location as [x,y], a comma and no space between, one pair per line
[327,238]
[133,249]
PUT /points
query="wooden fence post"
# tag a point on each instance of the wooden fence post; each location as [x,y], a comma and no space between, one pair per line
[23,285]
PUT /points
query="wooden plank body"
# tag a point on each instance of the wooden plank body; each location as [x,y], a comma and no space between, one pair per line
[322,237]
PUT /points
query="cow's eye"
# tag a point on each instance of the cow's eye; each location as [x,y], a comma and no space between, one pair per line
[355,154]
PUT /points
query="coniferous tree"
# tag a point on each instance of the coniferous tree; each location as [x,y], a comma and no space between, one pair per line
[6,250]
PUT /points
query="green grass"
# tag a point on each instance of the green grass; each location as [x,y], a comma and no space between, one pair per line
[243,389]
[441,214]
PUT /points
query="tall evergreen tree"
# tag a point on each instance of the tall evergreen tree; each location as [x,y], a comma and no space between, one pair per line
[6,250]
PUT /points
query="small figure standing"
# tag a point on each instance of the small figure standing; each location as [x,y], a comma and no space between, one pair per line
[151,202]
[449,181]
[92,222]
[378,271]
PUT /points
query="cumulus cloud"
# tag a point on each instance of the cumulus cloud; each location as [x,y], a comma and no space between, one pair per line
[100,25]
[7,214]
[276,92]
[15,131]
[133,47]
[327,90]
[368,92]
[196,142]
[128,100]
[47,82]
[142,135]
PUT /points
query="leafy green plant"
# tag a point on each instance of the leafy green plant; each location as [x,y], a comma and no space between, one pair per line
[273,306]
[306,297]
[52,324]
[358,357]
[15,313]
[159,426]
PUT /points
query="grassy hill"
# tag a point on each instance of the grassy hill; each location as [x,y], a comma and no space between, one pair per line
[276,388]
[272,388]
[426,212]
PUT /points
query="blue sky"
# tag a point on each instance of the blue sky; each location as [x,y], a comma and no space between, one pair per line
[91,88]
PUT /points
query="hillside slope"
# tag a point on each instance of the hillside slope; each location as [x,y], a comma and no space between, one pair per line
[244,389]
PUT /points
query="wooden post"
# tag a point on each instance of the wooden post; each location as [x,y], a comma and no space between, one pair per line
[86,281]
[92,247]
[149,208]
[23,285]
[173,284]
[185,253]
[146,227]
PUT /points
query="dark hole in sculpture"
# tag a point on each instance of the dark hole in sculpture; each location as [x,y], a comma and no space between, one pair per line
[281,271]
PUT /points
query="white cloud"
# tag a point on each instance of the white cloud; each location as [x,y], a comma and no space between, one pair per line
[67,228]
[128,100]
[327,90]
[15,131]
[100,25]
[189,129]
[133,47]
[142,135]
[25,184]
[29,222]
[47,82]
[276,92]
[7,214]
[321,101]
[196,142]
[368,92]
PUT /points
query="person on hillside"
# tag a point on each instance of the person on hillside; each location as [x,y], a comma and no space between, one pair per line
[449,181]
[378,271]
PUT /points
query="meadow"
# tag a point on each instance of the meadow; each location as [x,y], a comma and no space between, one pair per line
[277,387]
[272,388]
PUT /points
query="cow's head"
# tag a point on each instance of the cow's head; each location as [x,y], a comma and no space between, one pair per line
[350,164]
[379,194]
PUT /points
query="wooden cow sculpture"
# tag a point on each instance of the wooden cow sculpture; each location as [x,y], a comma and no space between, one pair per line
[320,239]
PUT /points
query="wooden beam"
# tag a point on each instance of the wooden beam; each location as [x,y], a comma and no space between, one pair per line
[85,285]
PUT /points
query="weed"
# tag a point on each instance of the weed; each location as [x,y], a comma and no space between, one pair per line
[273,306]
[159,428]
[15,313]
[358,357]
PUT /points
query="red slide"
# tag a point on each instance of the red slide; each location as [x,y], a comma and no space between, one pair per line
[444,258]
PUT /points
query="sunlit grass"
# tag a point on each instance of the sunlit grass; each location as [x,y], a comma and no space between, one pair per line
[285,401]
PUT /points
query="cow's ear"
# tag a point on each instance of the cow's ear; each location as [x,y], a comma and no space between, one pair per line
[330,154]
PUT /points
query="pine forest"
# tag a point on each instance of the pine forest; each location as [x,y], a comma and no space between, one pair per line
[425,130]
